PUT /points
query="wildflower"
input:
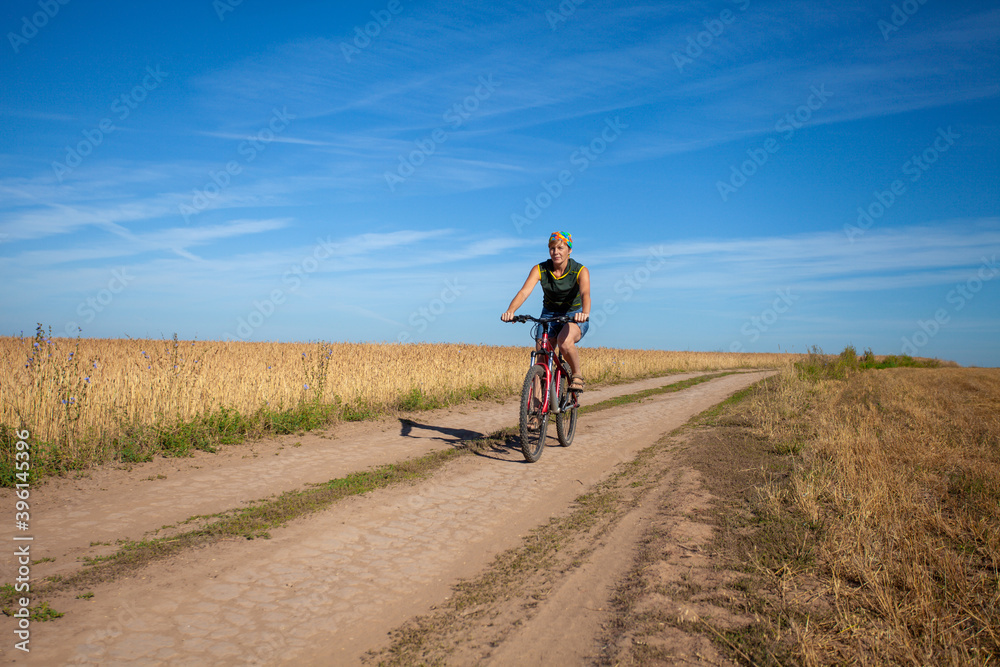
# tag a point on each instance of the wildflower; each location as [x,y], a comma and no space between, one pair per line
[64,401]
[36,344]
[87,379]
[305,386]
[148,366]
[70,355]
[95,364]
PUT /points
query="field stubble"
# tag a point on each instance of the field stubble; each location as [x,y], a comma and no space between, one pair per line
[895,489]
[90,401]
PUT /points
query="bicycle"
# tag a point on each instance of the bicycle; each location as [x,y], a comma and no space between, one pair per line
[549,370]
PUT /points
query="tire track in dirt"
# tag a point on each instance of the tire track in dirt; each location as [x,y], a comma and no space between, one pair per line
[69,515]
[329,586]
[572,622]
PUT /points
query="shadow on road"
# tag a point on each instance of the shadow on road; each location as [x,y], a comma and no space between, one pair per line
[505,448]
[497,446]
[453,436]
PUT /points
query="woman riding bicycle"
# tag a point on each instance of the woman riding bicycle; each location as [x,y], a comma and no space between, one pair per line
[565,291]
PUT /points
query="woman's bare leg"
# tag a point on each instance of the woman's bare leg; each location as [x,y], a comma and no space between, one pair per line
[568,338]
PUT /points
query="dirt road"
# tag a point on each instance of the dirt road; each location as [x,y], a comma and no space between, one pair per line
[328,587]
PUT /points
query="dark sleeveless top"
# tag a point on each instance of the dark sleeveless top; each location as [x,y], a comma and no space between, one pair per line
[562,294]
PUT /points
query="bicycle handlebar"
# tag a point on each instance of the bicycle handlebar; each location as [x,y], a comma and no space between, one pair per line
[561,319]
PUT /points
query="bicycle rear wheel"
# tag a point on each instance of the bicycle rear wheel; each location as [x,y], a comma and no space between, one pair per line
[566,419]
[534,422]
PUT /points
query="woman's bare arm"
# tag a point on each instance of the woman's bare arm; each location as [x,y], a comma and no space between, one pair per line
[583,280]
[522,295]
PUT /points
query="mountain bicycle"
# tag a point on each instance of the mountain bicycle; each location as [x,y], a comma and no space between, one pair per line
[546,392]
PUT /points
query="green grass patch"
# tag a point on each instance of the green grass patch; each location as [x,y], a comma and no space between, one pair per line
[417,399]
[9,605]
[710,417]
[648,393]
[819,366]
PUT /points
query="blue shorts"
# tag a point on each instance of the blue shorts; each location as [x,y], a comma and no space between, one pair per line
[555,327]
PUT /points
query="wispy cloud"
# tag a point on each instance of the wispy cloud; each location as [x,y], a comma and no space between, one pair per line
[884,260]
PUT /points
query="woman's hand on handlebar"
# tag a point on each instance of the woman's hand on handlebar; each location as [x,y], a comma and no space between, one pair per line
[581,317]
[507,316]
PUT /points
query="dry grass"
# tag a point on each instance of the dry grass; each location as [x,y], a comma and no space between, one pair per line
[899,481]
[88,397]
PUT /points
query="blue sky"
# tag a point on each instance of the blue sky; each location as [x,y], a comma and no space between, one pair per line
[737,175]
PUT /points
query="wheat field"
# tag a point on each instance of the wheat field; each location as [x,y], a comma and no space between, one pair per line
[81,394]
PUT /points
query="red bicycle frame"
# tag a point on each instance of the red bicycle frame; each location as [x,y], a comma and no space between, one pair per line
[548,359]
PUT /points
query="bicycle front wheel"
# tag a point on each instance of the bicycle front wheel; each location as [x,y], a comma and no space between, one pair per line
[566,419]
[534,422]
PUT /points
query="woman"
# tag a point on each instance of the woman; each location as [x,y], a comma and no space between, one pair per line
[566,291]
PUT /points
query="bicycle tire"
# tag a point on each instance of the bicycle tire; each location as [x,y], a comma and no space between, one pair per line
[566,419]
[533,439]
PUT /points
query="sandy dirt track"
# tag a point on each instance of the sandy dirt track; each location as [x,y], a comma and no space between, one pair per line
[328,587]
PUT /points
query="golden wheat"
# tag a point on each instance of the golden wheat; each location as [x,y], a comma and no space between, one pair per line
[76,391]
